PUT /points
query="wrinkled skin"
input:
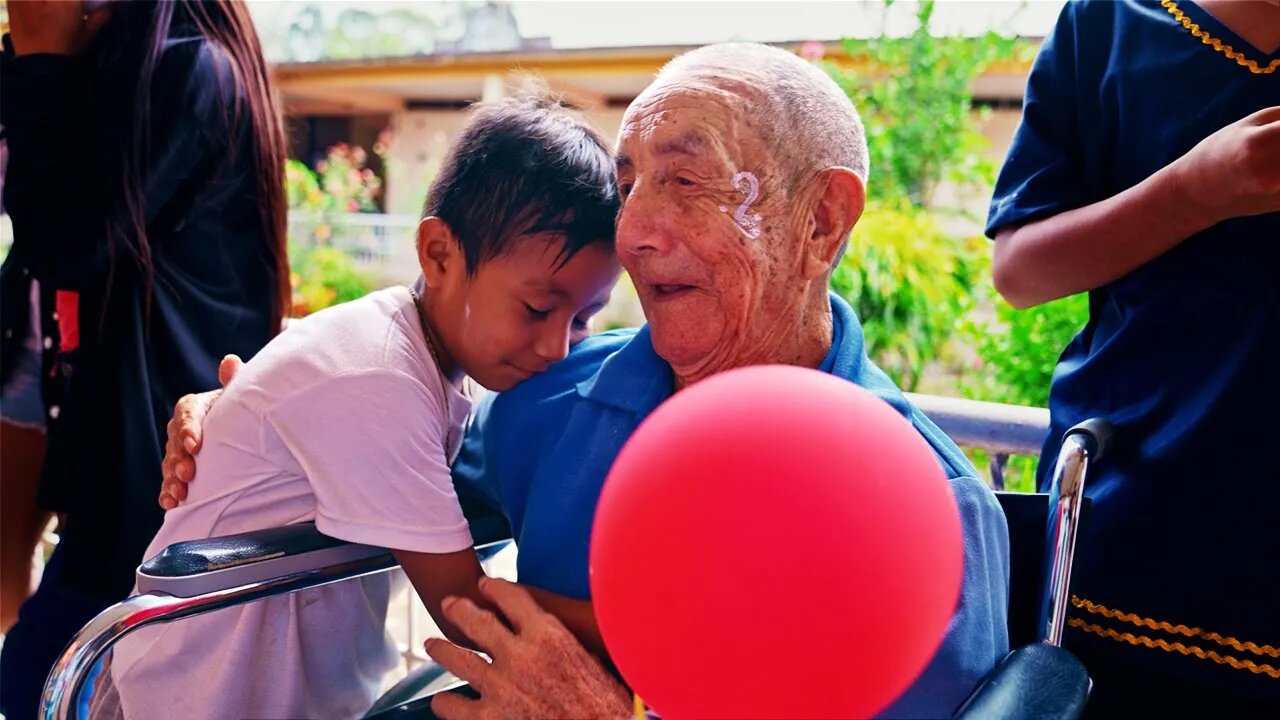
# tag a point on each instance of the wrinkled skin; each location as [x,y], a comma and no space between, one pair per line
[539,669]
[716,299]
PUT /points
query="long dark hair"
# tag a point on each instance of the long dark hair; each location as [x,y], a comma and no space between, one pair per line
[146,25]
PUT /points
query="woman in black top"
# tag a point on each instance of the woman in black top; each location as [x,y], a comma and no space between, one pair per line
[145,186]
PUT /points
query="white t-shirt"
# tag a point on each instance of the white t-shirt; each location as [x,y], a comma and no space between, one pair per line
[341,420]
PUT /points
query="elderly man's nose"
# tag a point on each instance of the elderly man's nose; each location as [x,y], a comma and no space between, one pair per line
[642,227]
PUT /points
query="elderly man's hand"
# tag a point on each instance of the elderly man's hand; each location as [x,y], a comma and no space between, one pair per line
[539,669]
[186,433]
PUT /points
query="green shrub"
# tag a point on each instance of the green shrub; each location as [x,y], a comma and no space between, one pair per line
[910,283]
[1017,351]
[323,276]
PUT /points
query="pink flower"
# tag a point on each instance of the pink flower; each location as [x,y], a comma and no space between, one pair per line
[812,50]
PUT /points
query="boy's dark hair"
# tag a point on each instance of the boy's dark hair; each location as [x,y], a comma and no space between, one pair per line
[525,165]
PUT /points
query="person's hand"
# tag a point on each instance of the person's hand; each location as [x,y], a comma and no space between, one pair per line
[1234,172]
[539,669]
[186,433]
[59,27]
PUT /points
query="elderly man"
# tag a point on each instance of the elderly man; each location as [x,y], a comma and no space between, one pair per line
[742,171]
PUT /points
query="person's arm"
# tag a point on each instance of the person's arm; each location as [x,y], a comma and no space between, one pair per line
[1234,172]
[577,615]
[436,576]
[977,637]
[477,478]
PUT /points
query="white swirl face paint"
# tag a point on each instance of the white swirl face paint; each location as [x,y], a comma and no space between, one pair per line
[749,186]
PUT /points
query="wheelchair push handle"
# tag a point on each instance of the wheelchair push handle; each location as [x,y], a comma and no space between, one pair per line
[1095,433]
[1082,446]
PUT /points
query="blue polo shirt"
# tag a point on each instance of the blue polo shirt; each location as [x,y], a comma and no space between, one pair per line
[1182,354]
[542,451]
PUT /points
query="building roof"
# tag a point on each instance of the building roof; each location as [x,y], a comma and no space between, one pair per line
[597,54]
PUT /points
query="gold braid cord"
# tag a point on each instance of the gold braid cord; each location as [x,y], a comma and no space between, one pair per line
[1175,646]
[1215,43]
[1195,632]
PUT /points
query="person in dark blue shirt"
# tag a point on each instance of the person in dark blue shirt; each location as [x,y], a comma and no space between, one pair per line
[1146,171]
[145,185]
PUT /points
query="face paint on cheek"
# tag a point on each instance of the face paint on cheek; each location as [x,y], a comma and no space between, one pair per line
[749,186]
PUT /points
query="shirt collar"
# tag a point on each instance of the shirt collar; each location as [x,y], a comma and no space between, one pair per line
[637,380]
[634,378]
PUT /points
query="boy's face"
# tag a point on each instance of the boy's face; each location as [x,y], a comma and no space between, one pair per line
[520,311]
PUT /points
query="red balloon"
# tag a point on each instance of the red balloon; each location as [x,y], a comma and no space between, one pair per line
[775,542]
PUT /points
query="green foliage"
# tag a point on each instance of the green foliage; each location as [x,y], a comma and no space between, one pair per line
[916,103]
[324,275]
[910,278]
[302,188]
[923,289]
[1018,349]
[911,283]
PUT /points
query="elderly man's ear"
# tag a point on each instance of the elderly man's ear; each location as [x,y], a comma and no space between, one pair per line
[838,196]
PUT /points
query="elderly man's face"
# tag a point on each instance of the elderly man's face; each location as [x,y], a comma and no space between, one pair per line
[717,270]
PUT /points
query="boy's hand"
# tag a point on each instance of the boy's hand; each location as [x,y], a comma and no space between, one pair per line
[1234,172]
[186,433]
[539,669]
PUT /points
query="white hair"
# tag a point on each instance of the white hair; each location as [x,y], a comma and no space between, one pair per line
[806,119]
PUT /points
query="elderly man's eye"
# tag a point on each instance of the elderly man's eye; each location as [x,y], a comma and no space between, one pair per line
[624,189]
[685,182]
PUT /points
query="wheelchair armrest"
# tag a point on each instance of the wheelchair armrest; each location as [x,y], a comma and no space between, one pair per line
[197,567]
[1038,681]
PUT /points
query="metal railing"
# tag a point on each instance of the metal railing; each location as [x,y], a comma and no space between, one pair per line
[999,429]
[381,244]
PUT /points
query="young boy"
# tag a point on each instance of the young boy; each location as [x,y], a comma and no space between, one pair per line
[352,416]
[1146,171]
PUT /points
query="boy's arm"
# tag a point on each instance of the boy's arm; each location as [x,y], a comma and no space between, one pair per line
[436,576]
[577,615]
[1234,172]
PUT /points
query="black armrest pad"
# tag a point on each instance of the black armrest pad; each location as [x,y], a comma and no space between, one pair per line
[200,556]
[1037,681]
[198,567]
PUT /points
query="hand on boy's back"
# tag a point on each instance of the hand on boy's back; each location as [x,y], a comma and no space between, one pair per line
[185,431]
[1235,172]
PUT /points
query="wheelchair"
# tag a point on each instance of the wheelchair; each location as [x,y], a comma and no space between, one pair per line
[1038,679]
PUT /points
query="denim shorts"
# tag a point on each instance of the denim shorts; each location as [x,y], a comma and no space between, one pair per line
[21,403]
